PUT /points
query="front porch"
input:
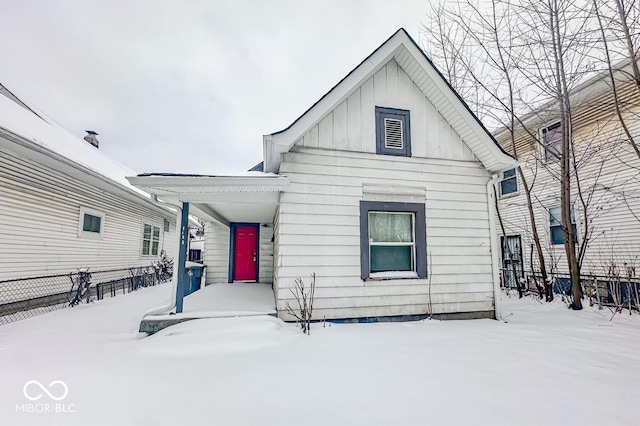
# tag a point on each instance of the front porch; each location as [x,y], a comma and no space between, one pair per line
[222,300]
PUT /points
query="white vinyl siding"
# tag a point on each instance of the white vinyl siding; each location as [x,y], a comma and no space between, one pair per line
[39,223]
[318,232]
[216,252]
[615,229]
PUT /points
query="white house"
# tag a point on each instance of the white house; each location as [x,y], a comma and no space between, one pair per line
[382,189]
[65,205]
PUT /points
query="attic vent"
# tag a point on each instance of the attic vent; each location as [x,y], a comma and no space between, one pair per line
[393,133]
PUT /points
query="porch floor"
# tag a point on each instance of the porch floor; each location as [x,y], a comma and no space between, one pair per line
[217,301]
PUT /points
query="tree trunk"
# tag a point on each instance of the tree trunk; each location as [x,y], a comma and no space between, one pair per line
[548,288]
[565,169]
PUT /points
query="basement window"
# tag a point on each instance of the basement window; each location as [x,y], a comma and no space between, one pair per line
[91,223]
[393,132]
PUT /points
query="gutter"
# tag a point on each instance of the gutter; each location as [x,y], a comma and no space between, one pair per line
[174,279]
[494,246]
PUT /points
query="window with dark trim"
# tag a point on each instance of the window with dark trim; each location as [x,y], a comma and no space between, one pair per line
[555,225]
[393,240]
[91,223]
[552,142]
[393,132]
[509,183]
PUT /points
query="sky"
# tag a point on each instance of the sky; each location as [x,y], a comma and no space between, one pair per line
[188,87]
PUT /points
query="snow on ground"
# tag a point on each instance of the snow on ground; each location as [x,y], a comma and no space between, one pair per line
[546,366]
[229,299]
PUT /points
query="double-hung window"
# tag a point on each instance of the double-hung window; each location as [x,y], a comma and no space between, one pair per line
[552,142]
[555,225]
[393,240]
[150,240]
[509,183]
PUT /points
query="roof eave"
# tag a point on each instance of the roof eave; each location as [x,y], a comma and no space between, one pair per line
[275,182]
[281,142]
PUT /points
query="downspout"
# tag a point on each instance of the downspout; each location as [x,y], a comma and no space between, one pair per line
[494,246]
[176,271]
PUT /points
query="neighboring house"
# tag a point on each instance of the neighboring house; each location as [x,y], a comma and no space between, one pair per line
[64,205]
[381,188]
[196,243]
[609,175]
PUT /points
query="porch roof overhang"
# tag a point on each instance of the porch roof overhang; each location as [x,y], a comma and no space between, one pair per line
[248,197]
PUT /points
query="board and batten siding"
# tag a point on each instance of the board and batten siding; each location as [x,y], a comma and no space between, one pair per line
[39,222]
[216,253]
[351,125]
[318,232]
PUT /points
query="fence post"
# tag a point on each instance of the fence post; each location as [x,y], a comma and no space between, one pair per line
[597,293]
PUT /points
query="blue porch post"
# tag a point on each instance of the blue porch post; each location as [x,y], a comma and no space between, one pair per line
[182,256]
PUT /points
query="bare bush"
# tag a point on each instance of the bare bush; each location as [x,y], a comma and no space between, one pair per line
[304,299]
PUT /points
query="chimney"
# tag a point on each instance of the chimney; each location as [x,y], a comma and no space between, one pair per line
[92,139]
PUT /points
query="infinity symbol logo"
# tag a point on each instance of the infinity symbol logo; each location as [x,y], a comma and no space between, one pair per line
[36,383]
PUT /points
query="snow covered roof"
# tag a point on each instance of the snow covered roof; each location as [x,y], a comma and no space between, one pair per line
[38,132]
[247,174]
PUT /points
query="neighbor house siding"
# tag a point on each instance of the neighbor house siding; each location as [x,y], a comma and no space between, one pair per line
[609,173]
[318,232]
[39,217]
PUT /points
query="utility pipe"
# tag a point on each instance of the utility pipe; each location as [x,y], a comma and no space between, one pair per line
[494,245]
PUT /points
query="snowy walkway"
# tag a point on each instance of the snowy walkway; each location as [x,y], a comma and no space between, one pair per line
[217,301]
[231,299]
[546,366]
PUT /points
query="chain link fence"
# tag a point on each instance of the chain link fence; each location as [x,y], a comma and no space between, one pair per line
[615,290]
[27,297]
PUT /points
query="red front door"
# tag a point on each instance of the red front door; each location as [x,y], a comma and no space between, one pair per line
[245,253]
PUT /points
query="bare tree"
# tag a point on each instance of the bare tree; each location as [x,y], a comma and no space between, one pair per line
[454,35]
[517,54]
[625,20]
